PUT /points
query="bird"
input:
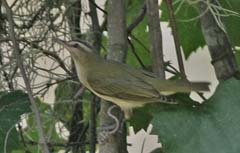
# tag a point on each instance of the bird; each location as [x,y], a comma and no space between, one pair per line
[120,83]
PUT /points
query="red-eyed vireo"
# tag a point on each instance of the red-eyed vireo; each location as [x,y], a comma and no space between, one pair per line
[121,84]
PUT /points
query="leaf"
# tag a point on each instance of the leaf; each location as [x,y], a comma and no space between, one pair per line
[12,106]
[140,118]
[231,22]
[188,23]
[237,55]
[189,29]
[212,127]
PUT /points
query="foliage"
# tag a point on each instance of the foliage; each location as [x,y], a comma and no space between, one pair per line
[184,128]
[232,21]
[210,127]
[49,120]
[140,118]
[188,24]
[140,32]
[189,31]
[12,106]
[64,104]
[237,53]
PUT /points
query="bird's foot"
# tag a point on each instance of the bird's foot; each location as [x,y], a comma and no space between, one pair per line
[105,131]
[168,100]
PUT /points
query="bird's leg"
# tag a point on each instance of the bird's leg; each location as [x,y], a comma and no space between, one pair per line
[109,130]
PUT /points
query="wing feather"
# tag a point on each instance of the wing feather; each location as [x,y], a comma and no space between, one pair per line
[128,88]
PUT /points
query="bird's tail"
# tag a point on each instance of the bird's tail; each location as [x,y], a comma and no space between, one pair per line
[183,87]
[199,86]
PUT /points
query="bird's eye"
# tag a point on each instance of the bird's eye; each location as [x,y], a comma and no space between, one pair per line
[75,45]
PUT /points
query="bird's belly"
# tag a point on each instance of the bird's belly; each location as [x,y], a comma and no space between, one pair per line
[125,105]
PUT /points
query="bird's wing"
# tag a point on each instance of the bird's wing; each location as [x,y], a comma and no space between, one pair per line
[126,88]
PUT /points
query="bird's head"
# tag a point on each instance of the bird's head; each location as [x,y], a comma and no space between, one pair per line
[78,49]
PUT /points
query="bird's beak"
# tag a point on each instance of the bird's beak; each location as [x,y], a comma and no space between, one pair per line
[61,42]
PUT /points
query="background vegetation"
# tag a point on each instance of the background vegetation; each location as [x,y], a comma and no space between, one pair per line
[31,64]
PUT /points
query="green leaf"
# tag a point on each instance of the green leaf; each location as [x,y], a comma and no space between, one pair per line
[189,29]
[212,127]
[12,106]
[140,118]
[188,23]
[231,22]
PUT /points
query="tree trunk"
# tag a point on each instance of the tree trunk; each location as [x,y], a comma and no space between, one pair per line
[223,59]
[117,47]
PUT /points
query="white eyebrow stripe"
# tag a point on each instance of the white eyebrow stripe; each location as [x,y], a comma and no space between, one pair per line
[83,44]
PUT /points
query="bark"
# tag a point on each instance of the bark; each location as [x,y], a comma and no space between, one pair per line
[117,47]
[155,36]
[223,59]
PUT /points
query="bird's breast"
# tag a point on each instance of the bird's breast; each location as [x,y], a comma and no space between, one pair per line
[82,75]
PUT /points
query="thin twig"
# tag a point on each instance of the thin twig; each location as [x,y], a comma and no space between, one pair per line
[60,62]
[137,19]
[22,138]
[140,42]
[136,55]
[42,141]
[98,7]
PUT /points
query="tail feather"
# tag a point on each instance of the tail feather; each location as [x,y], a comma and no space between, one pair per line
[183,87]
[199,86]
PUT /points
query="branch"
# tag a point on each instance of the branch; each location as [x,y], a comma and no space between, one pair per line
[42,140]
[217,41]
[98,7]
[5,74]
[48,85]
[155,35]
[58,59]
[175,37]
